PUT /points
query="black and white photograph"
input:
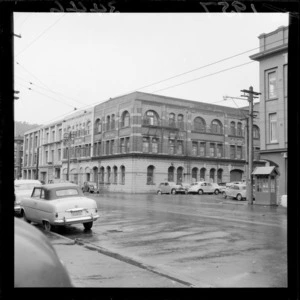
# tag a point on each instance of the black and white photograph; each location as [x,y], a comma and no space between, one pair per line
[150,149]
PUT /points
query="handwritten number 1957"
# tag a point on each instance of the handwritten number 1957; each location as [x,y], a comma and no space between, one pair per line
[238,6]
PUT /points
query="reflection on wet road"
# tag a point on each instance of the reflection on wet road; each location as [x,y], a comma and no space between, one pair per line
[199,238]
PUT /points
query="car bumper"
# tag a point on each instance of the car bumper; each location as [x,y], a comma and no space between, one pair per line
[17,209]
[84,219]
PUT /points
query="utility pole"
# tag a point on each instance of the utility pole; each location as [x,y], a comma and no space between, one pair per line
[249,140]
[250,96]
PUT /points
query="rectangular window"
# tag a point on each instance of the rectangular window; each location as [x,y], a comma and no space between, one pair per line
[273,127]
[171,146]
[219,150]
[59,154]
[112,146]
[99,149]
[145,144]
[212,149]
[122,145]
[127,145]
[239,152]
[202,149]
[194,148]
[154,145]
[271,85]
[46,157]
[232,151]
[179,147]
[107,148]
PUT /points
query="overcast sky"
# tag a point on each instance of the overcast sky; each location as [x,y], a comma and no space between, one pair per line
[76,60]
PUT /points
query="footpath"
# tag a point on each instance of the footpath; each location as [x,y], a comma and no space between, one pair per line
[90,267]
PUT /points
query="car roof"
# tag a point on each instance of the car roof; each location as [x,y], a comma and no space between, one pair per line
[26,181]
[51,186]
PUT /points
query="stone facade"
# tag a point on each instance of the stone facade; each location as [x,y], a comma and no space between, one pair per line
[133,142]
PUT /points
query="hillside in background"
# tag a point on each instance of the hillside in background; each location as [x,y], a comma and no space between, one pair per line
[22,127]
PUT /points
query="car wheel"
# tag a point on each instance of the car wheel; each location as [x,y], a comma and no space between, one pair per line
[200,192]
[239,197]
[47,226]
[224,195]
[88,225]
[23,215]
[217,192]
[158,192]
[173,192]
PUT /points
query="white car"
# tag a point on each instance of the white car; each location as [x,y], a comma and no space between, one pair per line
[170,187]
[201,187]
[23,188]
[58,205]
[237,191]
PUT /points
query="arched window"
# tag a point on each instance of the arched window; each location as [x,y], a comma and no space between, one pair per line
[122,174]
[179,174]
[232,128]
[212,173]
[98,126]
[255,132]
[108,174]
[199,124]
[115,170]
[180,121]
[216,127]
[194,174]
[202,174]
[88,127]
[171,173]
[108,123]
[112,121]
[239,129]
[150,175]
[151,118]
[125,119]
[102,174]
[219,175]
[172,120]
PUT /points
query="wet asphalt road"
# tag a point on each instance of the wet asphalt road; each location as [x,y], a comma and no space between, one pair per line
[203,240]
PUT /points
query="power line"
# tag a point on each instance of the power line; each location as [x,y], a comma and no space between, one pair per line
[201,67]
[50,90]
[33,41]
[185,82]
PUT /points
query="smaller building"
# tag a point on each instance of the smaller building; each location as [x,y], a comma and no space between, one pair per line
[18,158]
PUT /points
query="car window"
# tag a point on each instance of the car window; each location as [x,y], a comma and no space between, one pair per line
[209,184]
[66,192]
[166,183]
[36,193]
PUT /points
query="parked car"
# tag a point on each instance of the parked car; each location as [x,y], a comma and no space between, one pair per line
[218,188]
[169,187]
[58,205]
[23,188]
[90,187]
[235,182]
[237,191]
[201,187]
[36,263]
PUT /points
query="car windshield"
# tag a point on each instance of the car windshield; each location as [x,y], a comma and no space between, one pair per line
[66,192]
[26,186]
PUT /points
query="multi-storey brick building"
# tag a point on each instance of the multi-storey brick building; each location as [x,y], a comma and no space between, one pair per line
[273,64]
[133,142]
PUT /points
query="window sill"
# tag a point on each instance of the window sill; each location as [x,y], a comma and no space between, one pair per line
[272,99]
